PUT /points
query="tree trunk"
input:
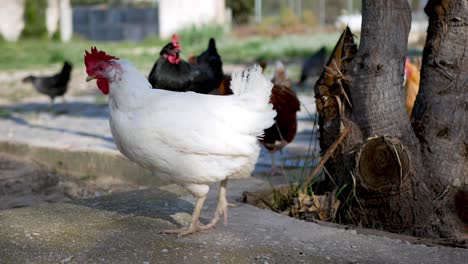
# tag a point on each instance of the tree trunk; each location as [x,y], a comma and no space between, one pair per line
[440,115]
[388,167]
[381,156]
[404,179]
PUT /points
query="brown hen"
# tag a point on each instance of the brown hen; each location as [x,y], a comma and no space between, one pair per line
[286,104]
[412,72]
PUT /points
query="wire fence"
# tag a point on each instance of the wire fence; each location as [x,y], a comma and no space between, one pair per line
[324,11]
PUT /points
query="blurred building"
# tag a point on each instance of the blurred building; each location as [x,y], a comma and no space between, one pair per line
[115,20]
[138,19]
[111,20]
[11,19]
[58,16]
[115,23]
[175,15]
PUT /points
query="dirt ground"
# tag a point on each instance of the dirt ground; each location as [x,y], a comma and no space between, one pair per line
[26,183]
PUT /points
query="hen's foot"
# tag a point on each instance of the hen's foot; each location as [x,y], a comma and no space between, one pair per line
[195,225]
[222,207]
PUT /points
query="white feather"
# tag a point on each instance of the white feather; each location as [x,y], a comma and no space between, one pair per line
[190,138]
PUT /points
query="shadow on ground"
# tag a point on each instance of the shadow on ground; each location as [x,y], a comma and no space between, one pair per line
[74,108]
[22,114]
[153,203]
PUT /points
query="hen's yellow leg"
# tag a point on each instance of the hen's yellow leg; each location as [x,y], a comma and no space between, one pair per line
[195,225]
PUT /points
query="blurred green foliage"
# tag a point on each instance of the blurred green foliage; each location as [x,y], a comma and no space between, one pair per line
[194,35]
[288,17]
[242,10]
[25,54]
[56,35]
[309,18]
[35,23]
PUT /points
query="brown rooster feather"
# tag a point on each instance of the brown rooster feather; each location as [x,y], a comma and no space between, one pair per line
[286,104]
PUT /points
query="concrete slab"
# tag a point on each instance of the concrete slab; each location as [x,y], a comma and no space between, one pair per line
[123,228]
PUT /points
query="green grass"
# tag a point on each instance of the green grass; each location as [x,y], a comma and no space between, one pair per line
[5,114]
[37,53]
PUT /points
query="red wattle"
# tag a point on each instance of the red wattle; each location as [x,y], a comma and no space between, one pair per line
[103,85]
[173,60]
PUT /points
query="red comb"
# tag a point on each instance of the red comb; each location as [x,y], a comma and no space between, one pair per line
[96,55]
[175,41]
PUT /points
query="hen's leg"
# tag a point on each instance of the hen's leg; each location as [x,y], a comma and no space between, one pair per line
[51,104]
[221,208]
[273,165]
[194,225]
[275,171]
[282,161]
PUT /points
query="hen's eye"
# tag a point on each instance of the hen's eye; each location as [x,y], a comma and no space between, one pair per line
[100,68]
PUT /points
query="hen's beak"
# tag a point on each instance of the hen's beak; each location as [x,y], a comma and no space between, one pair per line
[90,77]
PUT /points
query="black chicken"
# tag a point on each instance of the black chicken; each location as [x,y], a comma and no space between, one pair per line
[171,73]
[313,65]
[52,86]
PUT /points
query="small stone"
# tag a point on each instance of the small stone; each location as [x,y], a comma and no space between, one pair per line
[164,251]
[65,260]
[456,182]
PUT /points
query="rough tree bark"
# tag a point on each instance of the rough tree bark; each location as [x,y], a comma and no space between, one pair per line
[388,167]
[440,115]
[406,181]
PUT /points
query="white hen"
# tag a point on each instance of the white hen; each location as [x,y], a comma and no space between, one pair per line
[188,138]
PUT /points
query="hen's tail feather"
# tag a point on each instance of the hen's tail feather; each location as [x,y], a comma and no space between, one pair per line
[254,89]
[251,82]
